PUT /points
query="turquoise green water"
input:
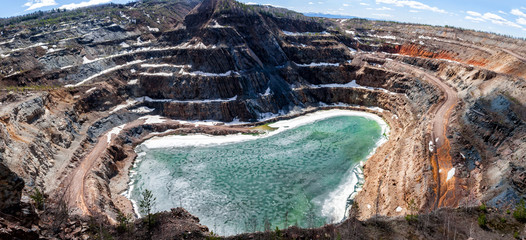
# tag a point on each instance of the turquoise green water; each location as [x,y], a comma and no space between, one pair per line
[300,176]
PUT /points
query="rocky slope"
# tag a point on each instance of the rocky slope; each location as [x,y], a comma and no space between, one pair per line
[71,79]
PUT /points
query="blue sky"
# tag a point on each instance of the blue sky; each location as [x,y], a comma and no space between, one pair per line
[502,16]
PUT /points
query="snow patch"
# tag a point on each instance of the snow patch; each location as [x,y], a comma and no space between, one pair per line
[158,74]
[133,82]
[351,84]
[91,89]
[398,209]
[148,99]
[143,110]
[128,103]
[153,119]
[304,33]
[267,92]
[146,65]
[450,174]
[104,72]
[115,131]
[383,37]
[152,29]
[85,60]
[206,74]
[314,64]
[215,24]
[9,41]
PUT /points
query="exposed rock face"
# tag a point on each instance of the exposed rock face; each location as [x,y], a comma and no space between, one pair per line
[226,61]
[10,189]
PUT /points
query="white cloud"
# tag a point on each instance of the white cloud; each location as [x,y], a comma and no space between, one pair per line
[502,12]
[381,15]
[475,19]
[411,4]
[493,18]
[345,5]
[414,11]
[521,21]
[518,12]
[364,4]
[83,4]
[35,4]
[310,3]
[384,9]
[474,14]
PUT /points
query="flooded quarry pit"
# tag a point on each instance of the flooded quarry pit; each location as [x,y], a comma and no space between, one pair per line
[304,172]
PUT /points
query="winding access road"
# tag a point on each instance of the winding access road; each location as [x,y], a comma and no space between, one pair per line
[444,171]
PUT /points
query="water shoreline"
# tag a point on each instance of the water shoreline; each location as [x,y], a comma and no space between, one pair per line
[282,125]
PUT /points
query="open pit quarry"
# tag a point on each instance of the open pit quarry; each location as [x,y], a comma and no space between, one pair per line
[80,89]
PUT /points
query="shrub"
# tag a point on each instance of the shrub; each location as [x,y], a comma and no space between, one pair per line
[39,198]
[123,220]
[146,205]
[411,218]
[483,207]
[520,212]
[482,221]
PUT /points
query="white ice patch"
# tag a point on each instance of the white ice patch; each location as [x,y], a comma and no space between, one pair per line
[158,74]
[207,74]
[9,41]
[152,29]
[146,65]
[124,45]
[133,82]
[350,32]
[52,50]
[450,174]
[128,103]
[153,119]
[351,84]
[267,92]
[148,99]
[105,72]
[398,209]
[85,60]
[304,33]
[143,110]
[383,37]
[32,46]
[91,89]
[215,24]
[115,131]
[376,109]
[320,64]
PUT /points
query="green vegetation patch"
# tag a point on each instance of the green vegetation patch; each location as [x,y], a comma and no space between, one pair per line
[265,127]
